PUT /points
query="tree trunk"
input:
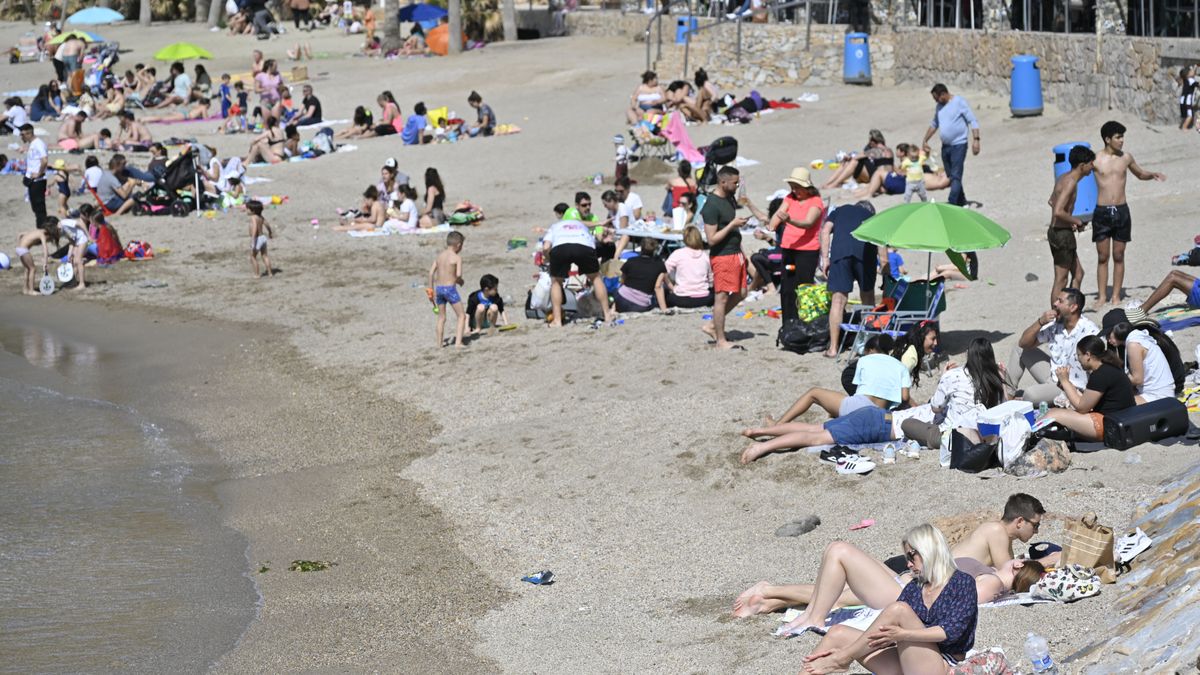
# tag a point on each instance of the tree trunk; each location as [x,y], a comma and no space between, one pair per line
[106,3]
[215,8]
[455,44]
[508,15]
[201,10]
[390,39]
[144,13]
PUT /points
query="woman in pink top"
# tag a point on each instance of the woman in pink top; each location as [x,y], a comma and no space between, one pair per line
[801,216]
[689,274]
[390,121]
[266,85]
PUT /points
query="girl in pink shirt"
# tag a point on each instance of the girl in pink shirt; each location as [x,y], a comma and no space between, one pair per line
[689,274]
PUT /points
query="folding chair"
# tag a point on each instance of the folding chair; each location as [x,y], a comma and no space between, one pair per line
[103,208]
[914,302]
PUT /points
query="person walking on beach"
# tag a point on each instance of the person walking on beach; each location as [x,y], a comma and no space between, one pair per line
[1111,224]
[260,232]
[952,120]
[445,276]
[1064,225]
[35,172]
[722,229]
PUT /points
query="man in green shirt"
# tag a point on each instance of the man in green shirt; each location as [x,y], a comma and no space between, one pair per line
[722,228]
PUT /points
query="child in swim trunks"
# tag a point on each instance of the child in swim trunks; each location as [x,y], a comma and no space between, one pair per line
[260,232]
[445,276]
[26,240]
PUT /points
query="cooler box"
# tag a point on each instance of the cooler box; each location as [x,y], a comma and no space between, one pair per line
[990,420]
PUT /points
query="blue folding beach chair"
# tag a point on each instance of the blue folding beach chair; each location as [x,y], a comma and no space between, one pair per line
[915,302]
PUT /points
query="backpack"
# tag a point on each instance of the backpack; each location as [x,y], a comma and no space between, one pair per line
[1171,351]
[138,250]
[803,337]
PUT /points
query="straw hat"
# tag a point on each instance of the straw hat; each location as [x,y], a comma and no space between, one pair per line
[799,176]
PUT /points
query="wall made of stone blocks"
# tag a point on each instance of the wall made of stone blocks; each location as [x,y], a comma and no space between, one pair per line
[1124,73]
[613,23]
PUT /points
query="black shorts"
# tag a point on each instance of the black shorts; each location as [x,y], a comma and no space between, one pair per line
[384,130]
[1112,222]
[843,273]
[565,255]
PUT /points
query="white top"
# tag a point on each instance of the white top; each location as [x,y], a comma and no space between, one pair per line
[633,201]
[955,396]
[1062,347]
[17,117]
[626,212]
[35,157]
[570,232]
[91,176]
[73,231]
[1157,382]
[408,214]
[881,376]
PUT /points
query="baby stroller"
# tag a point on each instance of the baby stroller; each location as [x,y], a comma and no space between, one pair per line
[723,150]
[178,192]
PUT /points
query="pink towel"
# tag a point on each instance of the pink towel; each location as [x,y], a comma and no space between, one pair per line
[676,132]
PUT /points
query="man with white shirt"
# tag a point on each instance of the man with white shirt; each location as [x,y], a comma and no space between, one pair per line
[1061,328]
[35,172]
[630,198]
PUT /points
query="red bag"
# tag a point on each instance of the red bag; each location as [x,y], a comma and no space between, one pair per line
[108,246]
[138,250]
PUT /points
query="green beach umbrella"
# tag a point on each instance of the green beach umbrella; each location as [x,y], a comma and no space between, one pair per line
[182,51]
[934,227]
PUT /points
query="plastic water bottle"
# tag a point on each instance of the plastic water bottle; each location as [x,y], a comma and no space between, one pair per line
[1043,409]
[1039,654]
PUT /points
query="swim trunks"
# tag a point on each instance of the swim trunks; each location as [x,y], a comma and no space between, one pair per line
[1112,222]
[1062,246]
[21,252]
[1193,299]
[260,242]
[729,273]
[446,295]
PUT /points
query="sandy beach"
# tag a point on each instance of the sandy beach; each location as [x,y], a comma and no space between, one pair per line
[436,479]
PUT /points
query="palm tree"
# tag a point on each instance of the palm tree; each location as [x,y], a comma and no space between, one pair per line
[455,44]
[508,14]
[391,25]
[144,13]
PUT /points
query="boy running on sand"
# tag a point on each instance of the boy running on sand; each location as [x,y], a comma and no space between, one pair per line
[260,232]
[1064,225]
[445,276]
[26,240]
[1111,220]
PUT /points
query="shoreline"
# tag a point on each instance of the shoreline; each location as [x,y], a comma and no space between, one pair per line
[283,514]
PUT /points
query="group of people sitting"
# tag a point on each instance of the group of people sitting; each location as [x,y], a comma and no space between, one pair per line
[419,128]
[880,170]
[1089,372]
[927,598]
[392,203]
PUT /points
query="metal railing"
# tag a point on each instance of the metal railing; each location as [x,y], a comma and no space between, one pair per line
[771,8]
[656,19]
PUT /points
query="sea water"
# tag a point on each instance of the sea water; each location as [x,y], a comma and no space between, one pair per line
[112,554]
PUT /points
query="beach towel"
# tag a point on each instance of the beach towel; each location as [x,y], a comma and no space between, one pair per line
[324,123]
[387,231]
[198,119]
[784,105]
[676,132]
[1174,318]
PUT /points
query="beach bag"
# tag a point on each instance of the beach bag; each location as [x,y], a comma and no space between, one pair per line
[723,150]
[1068,583]
[322,143]
[1088,543]
[812,302]
[108,246]
[803,337]
[971,457]
[539,297]
[1014,436]
[1044,455]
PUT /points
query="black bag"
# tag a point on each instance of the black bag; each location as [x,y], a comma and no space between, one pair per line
[722,151]
[1171,351]
[971,457]
[1154,421]
[803,337]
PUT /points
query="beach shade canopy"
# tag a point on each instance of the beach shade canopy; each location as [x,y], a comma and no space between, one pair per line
[81,34]
[421,12]
[95,16]
[182,51]
[933,227]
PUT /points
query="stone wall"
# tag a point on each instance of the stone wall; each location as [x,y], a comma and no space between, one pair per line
[1124,73]
[613,24]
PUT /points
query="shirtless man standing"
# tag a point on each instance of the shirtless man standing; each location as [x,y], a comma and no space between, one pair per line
[1063,223]
[133,135]
[991,542]
[1111,220]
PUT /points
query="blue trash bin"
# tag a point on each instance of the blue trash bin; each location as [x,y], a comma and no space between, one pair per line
[856,68]
[1085,194]
[1026,98]
[684,25]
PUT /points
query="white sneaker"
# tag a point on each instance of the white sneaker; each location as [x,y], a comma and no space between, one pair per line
[1131,546]
[754,296]
[855,465]
[911,450]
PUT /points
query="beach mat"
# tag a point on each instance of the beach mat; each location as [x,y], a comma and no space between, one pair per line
[1176,317]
